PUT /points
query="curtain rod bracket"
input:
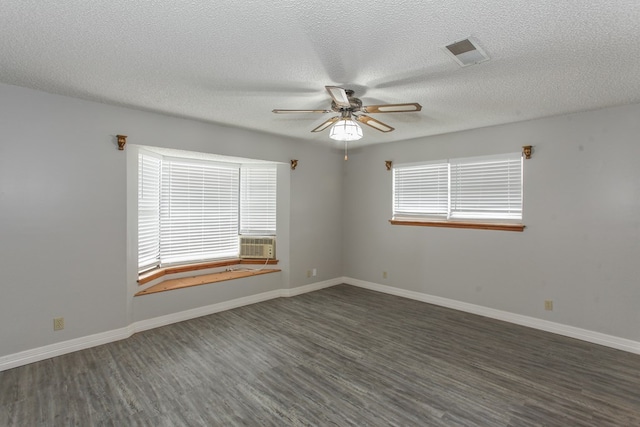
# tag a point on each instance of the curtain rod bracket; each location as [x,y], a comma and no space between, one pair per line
[122,141]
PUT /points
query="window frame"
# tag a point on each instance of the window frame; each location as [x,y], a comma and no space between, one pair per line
[231,164]
[185,203]
[419,194]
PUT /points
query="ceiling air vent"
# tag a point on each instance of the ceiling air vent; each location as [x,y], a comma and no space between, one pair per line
[466,52]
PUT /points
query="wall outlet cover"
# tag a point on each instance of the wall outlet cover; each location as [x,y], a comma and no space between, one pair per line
[58,323]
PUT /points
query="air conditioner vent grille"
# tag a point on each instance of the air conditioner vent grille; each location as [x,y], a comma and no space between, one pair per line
[466,52]
[257,247]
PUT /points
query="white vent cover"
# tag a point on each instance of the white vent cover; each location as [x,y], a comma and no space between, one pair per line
[257,247]
[466,52]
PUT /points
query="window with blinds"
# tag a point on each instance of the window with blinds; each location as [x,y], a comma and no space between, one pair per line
[193,210]
[421,190]
[479,188]
[258,200]
[148,211]
[198,211]
[487,187]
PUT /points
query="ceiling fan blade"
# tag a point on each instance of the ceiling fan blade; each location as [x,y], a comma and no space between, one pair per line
[326,124]
[339,96]
[392,108]
[376,124]
[278,111]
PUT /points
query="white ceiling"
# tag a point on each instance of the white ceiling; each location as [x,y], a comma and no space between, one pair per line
[232,62]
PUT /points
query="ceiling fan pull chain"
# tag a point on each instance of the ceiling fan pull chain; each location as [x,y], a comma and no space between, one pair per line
[346,155]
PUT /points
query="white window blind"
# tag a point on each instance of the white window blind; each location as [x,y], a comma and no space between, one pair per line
[421,190]
[487,187]
[473,188]
[198,211]
[258,200]
[192,210]
[148,211]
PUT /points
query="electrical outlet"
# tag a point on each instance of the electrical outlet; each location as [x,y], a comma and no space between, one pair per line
[308,273]
[315,272]
[548,305]
[384,274]
[58,323]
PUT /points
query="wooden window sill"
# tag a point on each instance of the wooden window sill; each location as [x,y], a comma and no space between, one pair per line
[461,224]
[162,271]
[169,285]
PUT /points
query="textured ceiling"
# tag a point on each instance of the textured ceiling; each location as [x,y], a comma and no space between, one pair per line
[232,62]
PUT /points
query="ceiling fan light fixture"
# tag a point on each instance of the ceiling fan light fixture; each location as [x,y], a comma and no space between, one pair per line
[346,130]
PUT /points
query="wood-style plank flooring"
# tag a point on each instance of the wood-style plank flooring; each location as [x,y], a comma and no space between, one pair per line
[340,356]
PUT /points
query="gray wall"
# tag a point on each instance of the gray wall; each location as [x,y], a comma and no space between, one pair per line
[64,247]
[581,209]
[65,251]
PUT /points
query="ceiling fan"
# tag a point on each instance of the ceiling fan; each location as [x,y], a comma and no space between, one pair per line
[350,109]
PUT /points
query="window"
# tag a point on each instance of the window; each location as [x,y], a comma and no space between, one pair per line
[192,210]
[258,201]
[478,188]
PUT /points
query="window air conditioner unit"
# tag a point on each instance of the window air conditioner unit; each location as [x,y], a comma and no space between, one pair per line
[257,247]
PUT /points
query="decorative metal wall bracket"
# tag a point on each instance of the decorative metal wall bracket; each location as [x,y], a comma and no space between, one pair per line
[388,164]
[122,141]
[294,164]
[527,150]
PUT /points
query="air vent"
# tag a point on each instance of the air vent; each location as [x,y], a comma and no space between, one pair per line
[466,52]
[257,247]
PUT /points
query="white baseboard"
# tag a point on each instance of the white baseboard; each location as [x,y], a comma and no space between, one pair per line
[58,349]
[312,287]
[531,322]
[156,322]
[64,347]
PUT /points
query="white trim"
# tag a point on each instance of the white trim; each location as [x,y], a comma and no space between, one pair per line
[518,319]
[156,322]
[312,287]
[34,355]
[41,353]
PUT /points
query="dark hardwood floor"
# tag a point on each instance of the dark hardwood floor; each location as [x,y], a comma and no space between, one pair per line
[339,356]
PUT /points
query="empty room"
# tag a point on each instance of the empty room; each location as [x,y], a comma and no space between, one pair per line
[408,213]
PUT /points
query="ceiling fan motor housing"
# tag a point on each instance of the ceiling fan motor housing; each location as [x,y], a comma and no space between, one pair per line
[355,104]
